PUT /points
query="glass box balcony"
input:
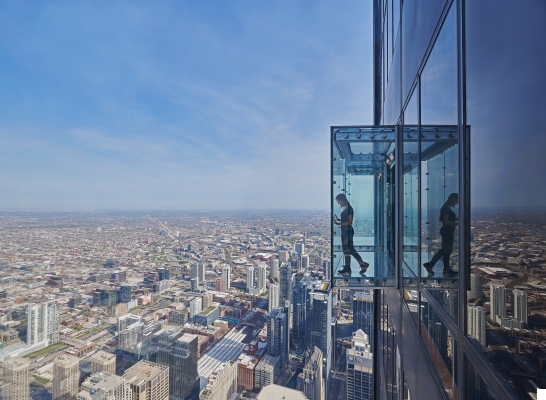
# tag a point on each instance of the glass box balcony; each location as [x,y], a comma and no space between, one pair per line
[381,214]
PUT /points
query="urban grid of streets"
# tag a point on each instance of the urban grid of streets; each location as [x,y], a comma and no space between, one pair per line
[508,249]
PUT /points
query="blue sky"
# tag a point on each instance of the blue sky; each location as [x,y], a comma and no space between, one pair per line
[178,104]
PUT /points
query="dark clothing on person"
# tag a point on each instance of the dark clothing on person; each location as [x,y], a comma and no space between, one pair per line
[349,250]
[448,237]
[451,217]
[347,234]
[347,229]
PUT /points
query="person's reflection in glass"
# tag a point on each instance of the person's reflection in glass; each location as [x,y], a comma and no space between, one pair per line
[449,221]
[347,233]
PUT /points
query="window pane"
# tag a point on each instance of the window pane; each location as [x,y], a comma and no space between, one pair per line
[410,196]
[506,93]
[441,346]
[476,387]
[439,161]
[420,18]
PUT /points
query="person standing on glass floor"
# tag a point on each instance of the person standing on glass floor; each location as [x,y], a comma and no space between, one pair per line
[347,233]
[449,223]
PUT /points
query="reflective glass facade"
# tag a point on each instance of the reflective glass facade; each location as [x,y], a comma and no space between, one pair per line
[452,80]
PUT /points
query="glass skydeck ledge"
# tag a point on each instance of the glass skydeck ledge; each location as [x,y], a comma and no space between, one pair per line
[385,219]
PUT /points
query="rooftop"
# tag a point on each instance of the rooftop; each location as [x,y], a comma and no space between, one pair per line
[143,371]
[276,392]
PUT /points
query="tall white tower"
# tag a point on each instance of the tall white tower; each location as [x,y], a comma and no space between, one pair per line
[262,278]
[498,302]
[43,323]
[273,296]
[520,306]
[226,276]
[250,278]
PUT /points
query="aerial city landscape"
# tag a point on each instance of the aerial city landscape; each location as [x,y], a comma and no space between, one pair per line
[226,305]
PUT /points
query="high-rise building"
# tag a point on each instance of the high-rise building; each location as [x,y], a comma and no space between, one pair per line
[326,267]
[222,383]
[476,324]
[476,286]
[163,273]
[278,335]
[262,278]
[43,323]
[16,382]
[197,271]
[283,256]
[304,261]
[433,91]
[311,379]
[105,297]
[359,368]
[498,302]
[104,385]
[196,306]
[267,371]
[318,325]
[300,249]
[226,276]
[300,298]
[274,392]
[124,294]
[194,284]
[150,279]
[220,285]
[66,377]
[285,280]
[207,300]
[274,268]
[148,381]
[519,310]
[363,313]
[103,361]
[250,278]
[273,296]
[178,351]
[127,320]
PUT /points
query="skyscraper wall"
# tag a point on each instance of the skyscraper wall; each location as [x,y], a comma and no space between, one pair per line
[250,278]
[262,278]
[498,302]
[285,271]
[16,384]
[274,268]
[66,377]
[312,377]
[278,335]
[318,324]
[304,261]
[226,276]
[363,314]
[476,324]
[476,286]
[283,256]
[196,305]
[300,249]
[273,296]
[520,306]
[359,368]
[43,323]
[178,351]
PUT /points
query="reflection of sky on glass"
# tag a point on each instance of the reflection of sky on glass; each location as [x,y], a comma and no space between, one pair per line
[506,102]
[439,78]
